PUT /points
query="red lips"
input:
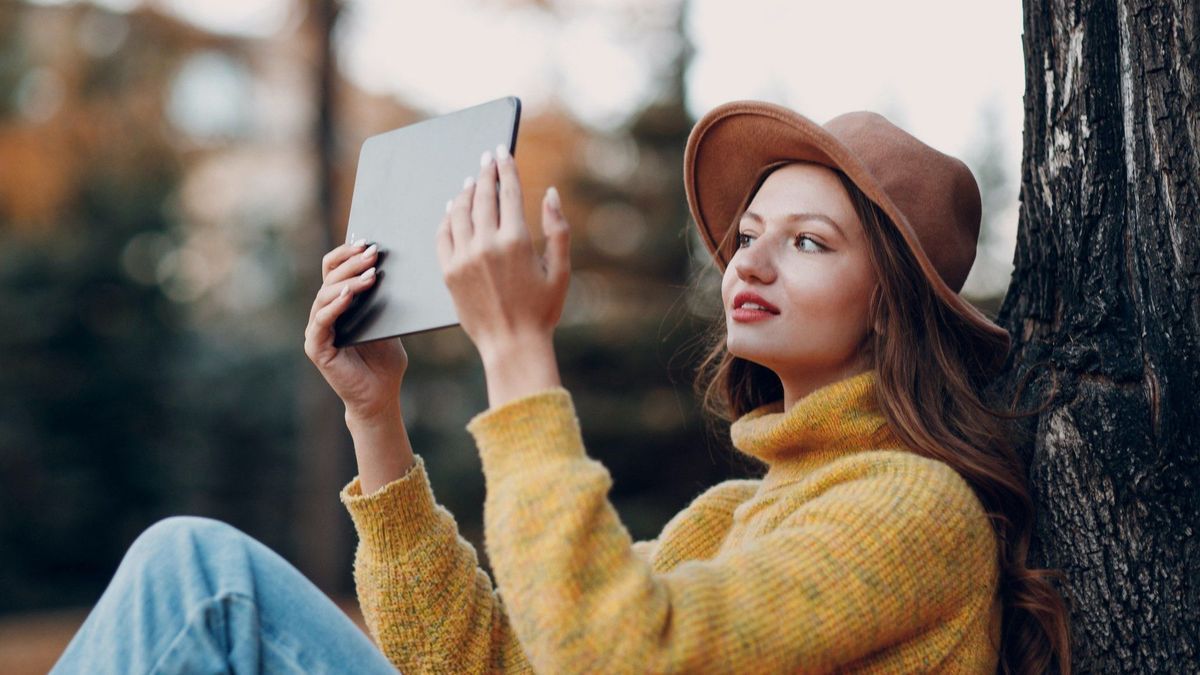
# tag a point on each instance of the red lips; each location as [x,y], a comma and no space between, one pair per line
[746,296]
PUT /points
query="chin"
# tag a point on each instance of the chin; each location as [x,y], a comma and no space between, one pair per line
[758,355]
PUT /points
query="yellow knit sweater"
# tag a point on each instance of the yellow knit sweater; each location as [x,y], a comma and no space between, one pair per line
[849,555]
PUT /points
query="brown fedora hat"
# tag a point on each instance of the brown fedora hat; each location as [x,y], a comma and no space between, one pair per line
[931,197]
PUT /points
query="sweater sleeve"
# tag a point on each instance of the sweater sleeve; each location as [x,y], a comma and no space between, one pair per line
[427,603]
[879,555]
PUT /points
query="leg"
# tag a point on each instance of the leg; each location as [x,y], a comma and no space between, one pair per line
[195,595]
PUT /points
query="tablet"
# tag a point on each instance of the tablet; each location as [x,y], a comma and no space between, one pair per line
[403,180]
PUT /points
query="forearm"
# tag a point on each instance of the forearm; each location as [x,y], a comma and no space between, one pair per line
[424,598]
[381,447]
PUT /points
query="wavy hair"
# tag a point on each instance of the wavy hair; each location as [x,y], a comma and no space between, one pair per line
[922,355]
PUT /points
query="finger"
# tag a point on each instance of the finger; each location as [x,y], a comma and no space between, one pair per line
[512,216]
[461,228]
[483,208]
[319,332]
[318,336]
[354,285]
[558,238]
[339,255]
[444,238]
[354,265]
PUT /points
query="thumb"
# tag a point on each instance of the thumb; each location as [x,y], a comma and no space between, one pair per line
[558,237]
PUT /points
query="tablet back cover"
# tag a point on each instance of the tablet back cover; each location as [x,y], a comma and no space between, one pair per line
[403,180]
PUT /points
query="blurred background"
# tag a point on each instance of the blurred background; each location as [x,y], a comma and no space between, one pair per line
[172,171]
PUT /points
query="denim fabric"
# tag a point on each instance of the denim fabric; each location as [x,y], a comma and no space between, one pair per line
[195,595]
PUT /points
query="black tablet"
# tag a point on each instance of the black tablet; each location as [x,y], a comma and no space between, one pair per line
[403,180]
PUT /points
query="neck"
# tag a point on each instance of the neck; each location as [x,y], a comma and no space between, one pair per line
[796,386]
[832,421]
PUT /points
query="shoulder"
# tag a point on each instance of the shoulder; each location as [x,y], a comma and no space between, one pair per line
[713,508]
[902,472]
[726,495]
[903,491]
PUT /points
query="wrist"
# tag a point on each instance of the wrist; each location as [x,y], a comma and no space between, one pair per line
[370,419]
[516,367]
[381,446]
[504,348]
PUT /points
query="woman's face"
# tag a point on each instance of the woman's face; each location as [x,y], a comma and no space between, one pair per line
[809,274]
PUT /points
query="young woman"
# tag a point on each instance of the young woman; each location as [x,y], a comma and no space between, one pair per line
[888,533]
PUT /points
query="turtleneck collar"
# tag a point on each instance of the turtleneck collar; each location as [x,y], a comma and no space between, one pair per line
[832,421]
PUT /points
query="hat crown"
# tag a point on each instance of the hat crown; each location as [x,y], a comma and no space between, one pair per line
[935,192]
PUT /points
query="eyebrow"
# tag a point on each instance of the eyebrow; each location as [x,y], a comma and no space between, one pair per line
[806,215]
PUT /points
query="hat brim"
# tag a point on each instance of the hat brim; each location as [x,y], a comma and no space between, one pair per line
[733,145]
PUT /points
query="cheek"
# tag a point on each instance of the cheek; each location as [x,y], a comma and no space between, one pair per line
[727,279]
[830,302]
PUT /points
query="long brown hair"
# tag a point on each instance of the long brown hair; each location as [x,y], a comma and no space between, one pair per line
[921,354]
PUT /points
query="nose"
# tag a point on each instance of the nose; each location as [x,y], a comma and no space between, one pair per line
[754,262]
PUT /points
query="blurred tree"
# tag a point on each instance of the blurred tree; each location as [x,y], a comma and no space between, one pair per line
[643,295]
[991,274]
[85,441]
[120,402]
[324,447]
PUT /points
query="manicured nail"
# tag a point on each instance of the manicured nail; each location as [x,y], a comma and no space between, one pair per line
[449,203]
[360,242]
[370,251]
[485,159]
[502,151]
[368,274]
[470,180]
[552,198]
[344,291]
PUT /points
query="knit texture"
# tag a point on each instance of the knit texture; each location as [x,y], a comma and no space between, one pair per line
[849,555]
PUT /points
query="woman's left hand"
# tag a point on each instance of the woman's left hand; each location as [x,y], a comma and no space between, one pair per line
[507,296]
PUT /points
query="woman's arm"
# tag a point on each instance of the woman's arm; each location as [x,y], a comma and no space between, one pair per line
[381,447]
[895,544]
[424,597]
[425,600]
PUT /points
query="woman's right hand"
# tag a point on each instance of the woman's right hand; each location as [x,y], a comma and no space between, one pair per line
[366,376]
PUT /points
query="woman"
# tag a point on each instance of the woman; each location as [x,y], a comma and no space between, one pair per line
[888,533]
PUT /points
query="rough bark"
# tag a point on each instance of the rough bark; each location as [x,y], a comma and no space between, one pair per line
[1106,294]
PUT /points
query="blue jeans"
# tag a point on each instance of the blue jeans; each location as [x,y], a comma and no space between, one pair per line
[195,595]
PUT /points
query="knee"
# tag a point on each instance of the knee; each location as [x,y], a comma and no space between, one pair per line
[169,536]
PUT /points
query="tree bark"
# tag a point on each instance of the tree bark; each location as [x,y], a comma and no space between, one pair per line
[1106,291]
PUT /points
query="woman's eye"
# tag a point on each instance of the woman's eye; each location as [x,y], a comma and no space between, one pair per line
[743,240]
[817,248]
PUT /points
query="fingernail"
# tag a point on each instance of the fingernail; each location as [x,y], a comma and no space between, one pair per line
[485,159]
[344,291]
[470,180]
[360,242]
[502,151]
[368,274]
[449,203]
[370,251]
[552,198]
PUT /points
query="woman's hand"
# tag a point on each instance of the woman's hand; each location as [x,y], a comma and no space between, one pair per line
[366,376]
[509,298]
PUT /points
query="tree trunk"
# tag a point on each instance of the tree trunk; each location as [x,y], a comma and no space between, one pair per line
[1106,290]
[322,529]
